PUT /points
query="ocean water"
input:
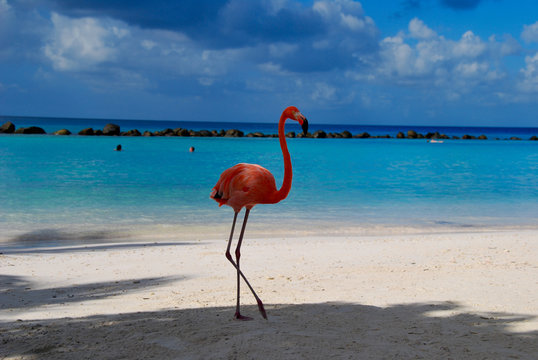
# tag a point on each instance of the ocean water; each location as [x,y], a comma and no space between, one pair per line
[52,183]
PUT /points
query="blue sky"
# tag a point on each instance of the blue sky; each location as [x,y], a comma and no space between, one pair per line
[415,62]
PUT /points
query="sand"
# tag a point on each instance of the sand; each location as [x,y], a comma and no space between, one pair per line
[445,295]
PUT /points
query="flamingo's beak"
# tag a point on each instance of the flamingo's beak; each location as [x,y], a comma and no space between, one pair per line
[304,125]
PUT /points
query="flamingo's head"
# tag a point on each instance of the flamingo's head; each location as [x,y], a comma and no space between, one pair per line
[293,113]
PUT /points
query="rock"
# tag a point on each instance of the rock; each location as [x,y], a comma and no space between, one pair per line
[333,135]
[30,130]
[233,133]
[412,134]
[482,137]
[534,138]
[515,138]
[183,132]
[400,135]
[319,134]
[62,132]
[87,131]
[7,128]
[255,134]
[290,134]
[147,133]
[205,133]
[468,137]
[166,132]
[133,132]
[346,134]
[111,130]
[363,135]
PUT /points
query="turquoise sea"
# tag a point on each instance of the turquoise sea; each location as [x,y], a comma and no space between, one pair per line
[78,185]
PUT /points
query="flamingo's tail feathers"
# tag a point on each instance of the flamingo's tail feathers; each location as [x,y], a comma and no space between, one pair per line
[217,196]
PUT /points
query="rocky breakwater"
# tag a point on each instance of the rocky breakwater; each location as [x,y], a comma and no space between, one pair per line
[115,130]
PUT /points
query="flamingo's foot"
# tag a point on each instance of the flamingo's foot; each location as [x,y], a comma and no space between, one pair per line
[262,309]
[238,316]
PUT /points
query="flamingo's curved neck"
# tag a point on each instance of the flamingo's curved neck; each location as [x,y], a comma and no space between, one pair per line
[288,174]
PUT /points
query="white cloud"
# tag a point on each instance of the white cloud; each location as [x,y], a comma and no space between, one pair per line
[530,33]
[530,74]
[455,67]
[78,44]
[418,30]
[324,92]
[348,14]
[469,46]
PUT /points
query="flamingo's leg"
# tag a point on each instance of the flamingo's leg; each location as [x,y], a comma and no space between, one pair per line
[238,256]
[239,272]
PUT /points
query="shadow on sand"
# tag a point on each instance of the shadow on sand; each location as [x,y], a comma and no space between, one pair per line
[57,241]
[308,331]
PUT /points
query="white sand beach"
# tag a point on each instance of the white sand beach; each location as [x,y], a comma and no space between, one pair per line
[443,295]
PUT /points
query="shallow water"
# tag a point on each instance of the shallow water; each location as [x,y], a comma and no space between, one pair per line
[74,182]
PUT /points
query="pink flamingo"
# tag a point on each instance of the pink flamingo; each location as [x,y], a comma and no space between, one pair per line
[245,185]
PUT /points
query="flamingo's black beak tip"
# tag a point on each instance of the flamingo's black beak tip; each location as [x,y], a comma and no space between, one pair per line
[305,126]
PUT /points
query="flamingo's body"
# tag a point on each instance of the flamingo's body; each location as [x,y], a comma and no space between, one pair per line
[245,185]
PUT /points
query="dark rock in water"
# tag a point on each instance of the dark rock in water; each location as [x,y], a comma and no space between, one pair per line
[515,138]
[400,135]
[334,135]
[534,138]
[62,132]
[319,134]
[98,132]
[482,137]
[167,132]
[87,131]
[290,134]
[468,137]
[363,135]
[147,133]
[412,134]
[255,134]
[346,134]
[234,133]
[111,130]
[183,132]
[301,135]
[205,133]
[30,130]
[7,128]
[455,137]
[133,132]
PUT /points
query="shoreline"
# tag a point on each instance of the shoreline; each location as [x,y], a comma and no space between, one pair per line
[446,295]
[114,130]
[53,236]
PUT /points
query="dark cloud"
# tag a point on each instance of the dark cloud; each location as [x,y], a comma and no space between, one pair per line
[217,24]
[461,4]
[343,31]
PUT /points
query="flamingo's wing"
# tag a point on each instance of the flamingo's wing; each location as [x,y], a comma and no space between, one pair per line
[243,185]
